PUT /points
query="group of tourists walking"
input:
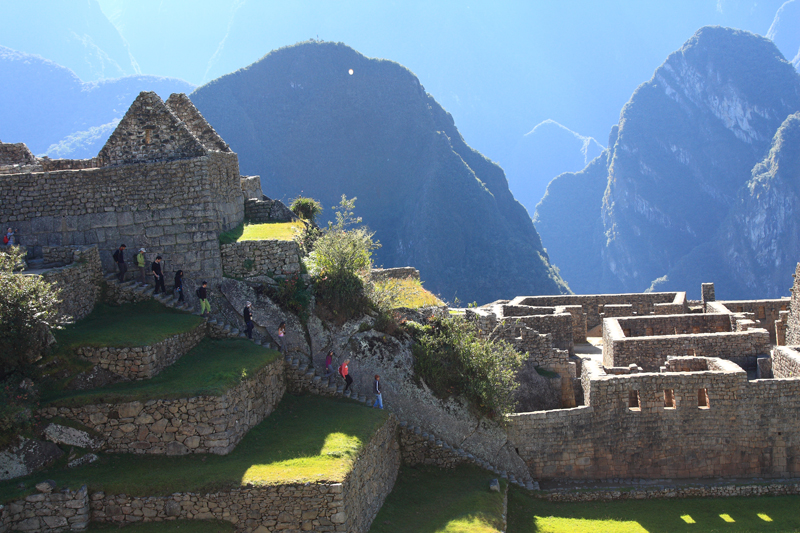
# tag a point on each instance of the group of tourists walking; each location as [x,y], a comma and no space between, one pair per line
[156,269]
[343,371]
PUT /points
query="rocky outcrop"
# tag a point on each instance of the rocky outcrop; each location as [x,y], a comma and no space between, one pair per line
[26,456]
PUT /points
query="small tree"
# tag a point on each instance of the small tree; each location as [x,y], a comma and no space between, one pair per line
[341,260]
[306,208]
[28,308]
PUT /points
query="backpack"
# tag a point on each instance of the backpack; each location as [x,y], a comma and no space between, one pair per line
[197,292]
[5,239]
[340,370]
[116,256]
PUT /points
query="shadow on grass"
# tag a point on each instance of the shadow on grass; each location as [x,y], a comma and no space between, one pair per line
[428,500]
[306,439]
[527,514]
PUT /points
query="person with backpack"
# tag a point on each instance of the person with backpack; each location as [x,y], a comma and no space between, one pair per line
[8,238]
[119,259]
[140,263]
[376,388]
[248,319]
[329,365]
[345,373]
[202,294]
[158,275]
[179,284]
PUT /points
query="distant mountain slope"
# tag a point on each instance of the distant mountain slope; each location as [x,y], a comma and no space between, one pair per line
[543,153]
[51,110]
[756,250]
[73,33]
[785,31]
[687,142]
[299,119]
[569,222]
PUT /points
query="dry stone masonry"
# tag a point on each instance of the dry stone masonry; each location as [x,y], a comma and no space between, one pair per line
[257,258]
[79,281]
[47,512]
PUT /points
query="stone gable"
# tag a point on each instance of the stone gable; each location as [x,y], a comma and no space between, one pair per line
[185,110]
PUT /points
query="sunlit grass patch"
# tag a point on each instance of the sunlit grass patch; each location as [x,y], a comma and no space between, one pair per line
[282,231]
[409,293]
[764,517]
[551,524]
[688,519]
[727,518]
[306,439]
[432,500]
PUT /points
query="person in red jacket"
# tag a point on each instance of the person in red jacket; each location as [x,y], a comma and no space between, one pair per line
[345,373]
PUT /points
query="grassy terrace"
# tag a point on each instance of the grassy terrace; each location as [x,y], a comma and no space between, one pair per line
[139,324]
[411,293]
[431,500]
[306,439]
[527,514]
[211,368]
[281,231]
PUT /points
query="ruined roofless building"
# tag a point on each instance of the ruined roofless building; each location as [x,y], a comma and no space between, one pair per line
[165,181]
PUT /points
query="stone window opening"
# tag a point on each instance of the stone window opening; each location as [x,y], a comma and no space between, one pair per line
[702,399]
[762,313]
[669,398]
[634,402]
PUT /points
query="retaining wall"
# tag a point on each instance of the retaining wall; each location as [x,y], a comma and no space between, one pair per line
[349,506]
[793,321]
[786,362]
[79,281]
[143,362]
[255,258]
[203,424]
[60,511]
[746,429]
[262,209]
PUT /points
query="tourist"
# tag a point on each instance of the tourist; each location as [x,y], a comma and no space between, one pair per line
[329,365]
[376,388]
[140,263]
[119,259]
[345,373]
[179,284]
[282,337]
[248,319]
[8,238]
[202,294]
[158,275]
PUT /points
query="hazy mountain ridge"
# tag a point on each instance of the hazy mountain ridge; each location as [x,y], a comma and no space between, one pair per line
[688,141]
[543,153]
[55,113]
[301,121]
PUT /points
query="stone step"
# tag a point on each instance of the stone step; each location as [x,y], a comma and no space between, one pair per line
[316,379]
[302,368]
[234,332]
[347,393]
[310,375]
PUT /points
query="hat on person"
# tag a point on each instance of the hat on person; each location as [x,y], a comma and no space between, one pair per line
[141,249]
[247,304]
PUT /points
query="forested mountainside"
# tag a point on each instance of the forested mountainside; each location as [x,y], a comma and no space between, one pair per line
[688,140]
[320,119]
[543,153]
[56,114]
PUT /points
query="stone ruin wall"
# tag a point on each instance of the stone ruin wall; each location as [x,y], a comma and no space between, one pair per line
[169,208]
[79,281]
[750,429]
[143,362]
[785,362]
[593,304]
[348,507]
[793,322]
[53,512]
[256,258]
[765,313]
[262,209]
[203,424]
[650,352]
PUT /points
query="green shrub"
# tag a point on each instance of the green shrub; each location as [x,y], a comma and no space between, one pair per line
[292,294]
[306,208]
[28,309]
[340,262]
[453,360]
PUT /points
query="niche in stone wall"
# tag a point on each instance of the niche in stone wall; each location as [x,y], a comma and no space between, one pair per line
[669,398]
[702,399]
[634,402]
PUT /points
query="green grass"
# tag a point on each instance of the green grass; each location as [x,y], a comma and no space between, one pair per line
[138,324]
[281,231]
[410,293]
[210,368]
[528,515]
[173,526]
[432,500]
[306,439]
